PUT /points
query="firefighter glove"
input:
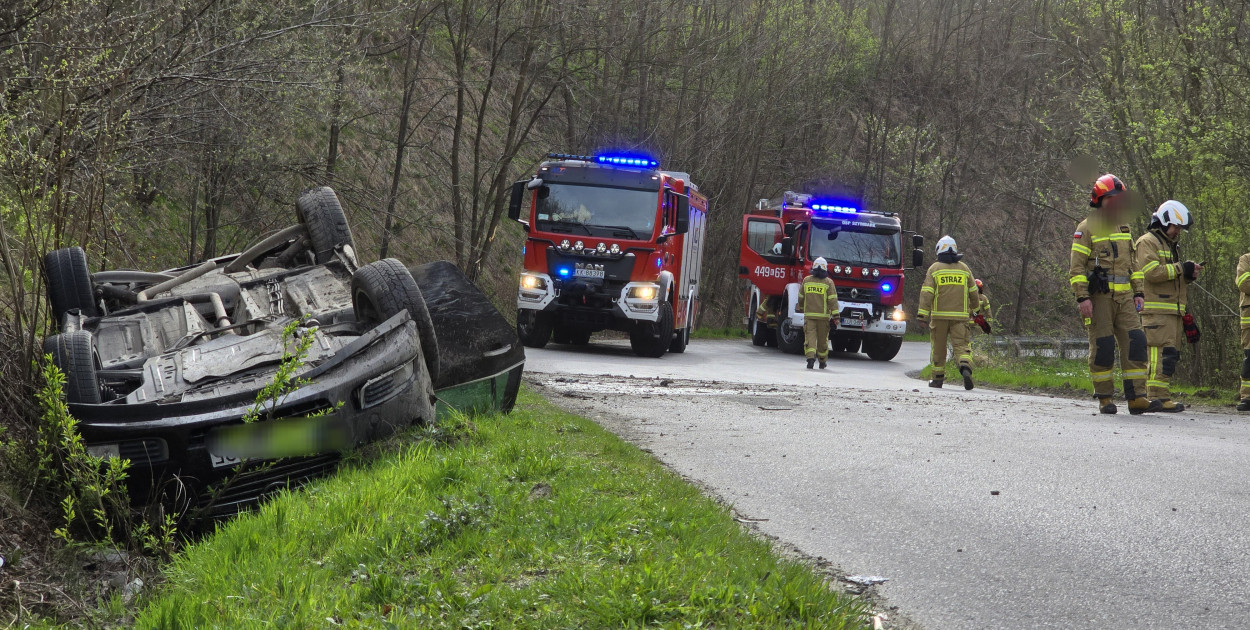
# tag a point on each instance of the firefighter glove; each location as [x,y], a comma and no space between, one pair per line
[1192,334]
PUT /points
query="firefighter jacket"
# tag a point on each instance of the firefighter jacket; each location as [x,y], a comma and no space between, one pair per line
[1243,286]
[819,297]
[949,292]
[1105,252]
[1165,285]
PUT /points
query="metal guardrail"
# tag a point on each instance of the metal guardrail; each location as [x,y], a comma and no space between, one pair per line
[1025,346]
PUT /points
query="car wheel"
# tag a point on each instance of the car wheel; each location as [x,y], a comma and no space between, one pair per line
[883,347]
[533,327]
[322,214]
[69,283]
[383,288]
[652,339]
[789,337]
[74,354]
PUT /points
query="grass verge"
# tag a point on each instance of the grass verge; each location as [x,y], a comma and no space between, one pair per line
[538,519]
[1066,376]
[729,332]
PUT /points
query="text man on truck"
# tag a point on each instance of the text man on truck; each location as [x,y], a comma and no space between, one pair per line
[613,243]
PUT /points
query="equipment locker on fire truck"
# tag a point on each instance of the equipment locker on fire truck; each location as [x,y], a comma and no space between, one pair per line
[613,243]
[780,239]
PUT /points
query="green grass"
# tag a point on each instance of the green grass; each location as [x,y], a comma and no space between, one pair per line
[1065,376]
[457,533]
[731,332]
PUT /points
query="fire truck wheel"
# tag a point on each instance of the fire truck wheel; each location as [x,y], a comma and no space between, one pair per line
[579,337]
[560,335]
[533,328]
[680,340]
[882,347]
[759,331]
[846,344]
[652,339]
[789,337]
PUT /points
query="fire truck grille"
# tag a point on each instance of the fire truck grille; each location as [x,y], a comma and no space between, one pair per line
[860,295]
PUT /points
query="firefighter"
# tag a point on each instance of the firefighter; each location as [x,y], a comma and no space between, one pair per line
[819,304]
[947,300]
[1166,284]
[1109,294]
[1243,286]
[981,311]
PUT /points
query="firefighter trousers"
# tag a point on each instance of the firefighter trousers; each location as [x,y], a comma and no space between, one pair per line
[816,337]
[1116,322]
[1163,338]
[958,333]
[1245,362]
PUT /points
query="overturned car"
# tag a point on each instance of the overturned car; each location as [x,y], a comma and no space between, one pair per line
[226,381]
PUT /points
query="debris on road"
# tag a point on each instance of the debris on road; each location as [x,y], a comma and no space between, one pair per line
[867,580]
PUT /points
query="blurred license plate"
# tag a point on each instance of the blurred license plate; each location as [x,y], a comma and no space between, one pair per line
[588,273]
[850,322]
[285,437]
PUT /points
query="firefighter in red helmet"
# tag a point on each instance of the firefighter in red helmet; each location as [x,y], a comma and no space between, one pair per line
[1109,293]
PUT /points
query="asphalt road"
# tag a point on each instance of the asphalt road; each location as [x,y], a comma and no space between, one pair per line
[1098,522]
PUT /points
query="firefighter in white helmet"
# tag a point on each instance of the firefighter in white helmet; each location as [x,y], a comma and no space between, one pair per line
[818,301]
[1166,281]
[948,299]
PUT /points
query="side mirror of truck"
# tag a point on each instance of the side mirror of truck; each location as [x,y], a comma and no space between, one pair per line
[682,224]
[789,229]
[514,203]
[917,241]
[787,247]
[917,256]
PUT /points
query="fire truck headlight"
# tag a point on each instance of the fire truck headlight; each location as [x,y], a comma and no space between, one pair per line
[898,315]
[643,293]
[564,244]
[837,268]
[532,282]
[601,248]
[876,273]
[615,249]
[864,272]
[579,246]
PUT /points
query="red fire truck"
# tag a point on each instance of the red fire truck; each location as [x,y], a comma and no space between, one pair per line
[780,239]
[613,243]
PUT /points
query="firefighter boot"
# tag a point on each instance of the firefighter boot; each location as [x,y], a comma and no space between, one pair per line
[1141,404]
[1244,405]
[1106,406]
[966,372]
[1170,406]
[810,363]
[823,364]
[936,383]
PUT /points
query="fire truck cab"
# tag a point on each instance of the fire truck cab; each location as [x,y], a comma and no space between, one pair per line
[613,243]
[780,239]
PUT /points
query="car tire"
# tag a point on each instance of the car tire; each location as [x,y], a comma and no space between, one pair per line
[789,337]
[758,329]
[383,288]
[652,339]
[533,327]
[883,347]
[74,354]
[322,214]
[69,283]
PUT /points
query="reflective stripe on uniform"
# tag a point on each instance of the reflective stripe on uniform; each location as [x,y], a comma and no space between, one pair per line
[1078,280]
[1118,236]
[1150,265]
[1162,306]
[926,289]
[923,312]
[1157,384]
[1081,249]
[1242,278]
[1121,286]
[1134,374]
[1100,377]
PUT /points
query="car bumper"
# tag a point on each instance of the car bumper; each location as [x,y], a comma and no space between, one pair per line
[169,445]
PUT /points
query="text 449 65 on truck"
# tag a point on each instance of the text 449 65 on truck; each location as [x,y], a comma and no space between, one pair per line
[613,243]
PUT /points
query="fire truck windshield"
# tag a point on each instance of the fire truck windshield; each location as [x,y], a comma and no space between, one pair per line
[868,248]
[596,210]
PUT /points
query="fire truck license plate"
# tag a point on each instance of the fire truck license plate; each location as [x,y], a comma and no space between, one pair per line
[588,273]
[848,322]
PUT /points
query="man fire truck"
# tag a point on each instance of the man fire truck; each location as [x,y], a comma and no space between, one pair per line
[780,239]
[613,243]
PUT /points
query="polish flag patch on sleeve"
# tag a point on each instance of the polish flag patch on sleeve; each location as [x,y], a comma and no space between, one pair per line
[1077,236]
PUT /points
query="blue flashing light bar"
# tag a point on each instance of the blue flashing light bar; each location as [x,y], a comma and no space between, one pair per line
[886,287]
[641,161]
[564,271]
[823,206]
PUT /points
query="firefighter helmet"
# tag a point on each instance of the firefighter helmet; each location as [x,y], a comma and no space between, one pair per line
[946,244]
[1173,212]
[980,285]
[1104,187]
[820,263]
